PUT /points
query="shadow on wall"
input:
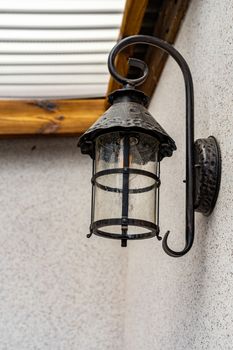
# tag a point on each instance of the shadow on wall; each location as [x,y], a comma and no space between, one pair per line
[195,286]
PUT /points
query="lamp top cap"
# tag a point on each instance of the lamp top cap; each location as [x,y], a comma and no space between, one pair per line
[127,114]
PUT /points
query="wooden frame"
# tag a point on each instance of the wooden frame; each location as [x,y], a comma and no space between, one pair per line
[72,117]
[166,27]
[63,117]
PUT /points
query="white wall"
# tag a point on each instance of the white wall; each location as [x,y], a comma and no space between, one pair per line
[187,303]
[58,290]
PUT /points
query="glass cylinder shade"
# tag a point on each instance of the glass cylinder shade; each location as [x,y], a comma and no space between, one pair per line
[125,181]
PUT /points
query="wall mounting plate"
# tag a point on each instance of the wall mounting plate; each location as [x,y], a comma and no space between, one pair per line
[207,174]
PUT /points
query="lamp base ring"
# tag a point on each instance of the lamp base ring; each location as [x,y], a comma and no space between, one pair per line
[99,228]
[207,174]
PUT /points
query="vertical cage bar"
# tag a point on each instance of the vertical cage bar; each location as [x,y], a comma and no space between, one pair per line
[125,190]
[92,199]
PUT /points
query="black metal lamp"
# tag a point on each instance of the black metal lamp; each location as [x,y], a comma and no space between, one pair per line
[127,145]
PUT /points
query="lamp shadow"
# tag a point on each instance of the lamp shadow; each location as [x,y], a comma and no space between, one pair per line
[196,288]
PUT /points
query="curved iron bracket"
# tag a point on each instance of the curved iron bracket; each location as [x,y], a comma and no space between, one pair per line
[190,174]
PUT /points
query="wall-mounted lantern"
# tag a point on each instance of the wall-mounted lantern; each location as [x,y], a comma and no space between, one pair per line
[127,145]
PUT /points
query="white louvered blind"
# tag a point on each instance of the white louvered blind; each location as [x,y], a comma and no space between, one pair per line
[57,48]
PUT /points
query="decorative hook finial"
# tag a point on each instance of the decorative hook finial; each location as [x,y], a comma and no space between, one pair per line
[169,251]
[132,62]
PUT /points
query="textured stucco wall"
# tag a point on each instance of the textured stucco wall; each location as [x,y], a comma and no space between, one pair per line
[187,303]
[58,290]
